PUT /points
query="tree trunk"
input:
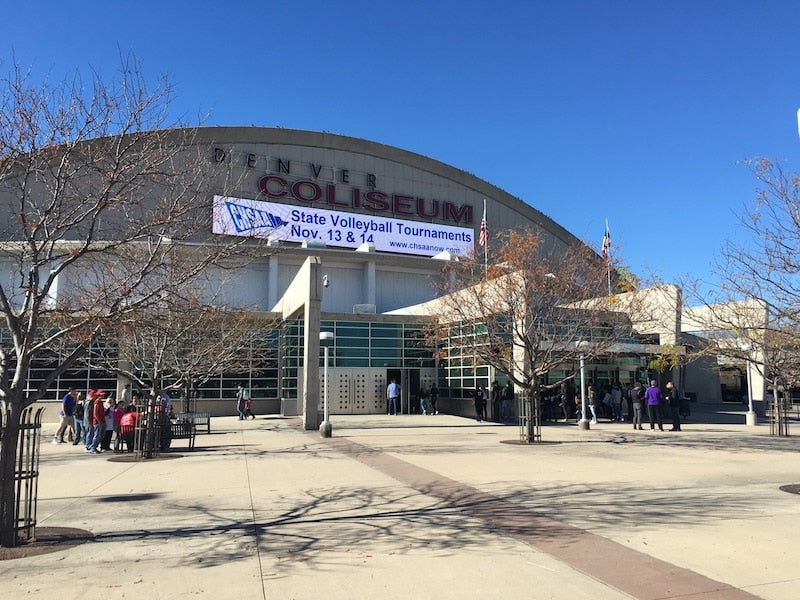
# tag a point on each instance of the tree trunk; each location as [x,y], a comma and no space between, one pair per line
[533,426]
[8,461]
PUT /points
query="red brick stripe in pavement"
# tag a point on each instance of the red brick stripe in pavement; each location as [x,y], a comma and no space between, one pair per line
[654,579]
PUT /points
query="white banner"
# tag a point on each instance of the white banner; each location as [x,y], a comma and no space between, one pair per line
[253,218]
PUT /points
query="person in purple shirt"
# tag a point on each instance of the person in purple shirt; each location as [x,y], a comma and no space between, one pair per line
[654,397]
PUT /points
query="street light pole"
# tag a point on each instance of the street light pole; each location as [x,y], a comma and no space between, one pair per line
[750,417]
[326,341]
[584,422]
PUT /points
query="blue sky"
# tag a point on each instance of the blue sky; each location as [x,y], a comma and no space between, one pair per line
[639,112]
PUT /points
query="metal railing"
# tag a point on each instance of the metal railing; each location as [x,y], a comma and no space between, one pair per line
[779,414]
[26,469]
[152,427]
[529,409]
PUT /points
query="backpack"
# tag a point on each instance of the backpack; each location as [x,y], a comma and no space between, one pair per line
[245,394]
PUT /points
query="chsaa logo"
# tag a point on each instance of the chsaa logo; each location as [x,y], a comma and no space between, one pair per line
[247,218]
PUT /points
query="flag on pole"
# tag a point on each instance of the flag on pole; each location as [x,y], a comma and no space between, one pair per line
[484,237]
[606,248]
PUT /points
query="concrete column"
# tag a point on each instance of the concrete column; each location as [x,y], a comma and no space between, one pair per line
[311,315]
[272,282]
[369,292]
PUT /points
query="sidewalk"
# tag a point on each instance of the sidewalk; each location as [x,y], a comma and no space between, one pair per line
[427,507]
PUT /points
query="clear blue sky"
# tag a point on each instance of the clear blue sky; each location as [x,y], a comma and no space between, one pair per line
[639,112]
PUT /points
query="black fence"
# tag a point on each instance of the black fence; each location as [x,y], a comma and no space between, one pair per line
[26,469]
[779,413]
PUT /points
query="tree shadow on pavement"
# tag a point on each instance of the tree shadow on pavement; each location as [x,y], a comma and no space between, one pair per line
[318,528]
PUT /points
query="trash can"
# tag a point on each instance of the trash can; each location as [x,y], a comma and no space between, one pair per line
[684,408]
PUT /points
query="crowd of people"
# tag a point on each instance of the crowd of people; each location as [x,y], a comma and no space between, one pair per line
[612,402]
[501,400]
[97,419]
[633,405]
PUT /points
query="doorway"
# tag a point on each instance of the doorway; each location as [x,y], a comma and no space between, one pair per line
[355,391]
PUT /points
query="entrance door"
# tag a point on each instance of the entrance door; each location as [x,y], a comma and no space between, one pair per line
[411,381]
[357,391]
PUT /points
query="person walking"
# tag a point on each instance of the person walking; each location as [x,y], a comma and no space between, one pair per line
[248,406]
[88,412]
[423,400]
[674,403]
[508,399]
[591,400]
[616,402]
[242,394]
[635,397]
[484,403]
[434,399]
[477,400]
[497,400]
[80,427]
[108,411]
[563,401]
[654,397]
[98,422]
[67,417]
[392,395]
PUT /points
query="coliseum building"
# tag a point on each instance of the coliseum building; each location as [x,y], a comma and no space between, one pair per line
[378,220]
[357,232]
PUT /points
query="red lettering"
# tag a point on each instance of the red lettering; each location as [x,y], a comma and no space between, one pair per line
[266,186]
[452,212]
[402,205]
[421,208]
[299,186]
[306,190]
[376,201]
[330,196]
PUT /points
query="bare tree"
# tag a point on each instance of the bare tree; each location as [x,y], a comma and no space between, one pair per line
[98,194]
[752,314]
[534,311]
[184,340]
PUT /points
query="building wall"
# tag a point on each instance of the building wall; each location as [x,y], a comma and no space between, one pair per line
[251,153]
[240,157]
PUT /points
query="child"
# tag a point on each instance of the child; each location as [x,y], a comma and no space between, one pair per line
[248,403]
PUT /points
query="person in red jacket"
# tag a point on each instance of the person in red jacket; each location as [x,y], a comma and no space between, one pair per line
[127,426]
[98,420]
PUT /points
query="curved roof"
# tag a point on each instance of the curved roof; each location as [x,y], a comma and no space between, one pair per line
[232,137]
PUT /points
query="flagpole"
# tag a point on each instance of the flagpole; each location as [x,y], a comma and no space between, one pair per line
[484,225]
[606,251]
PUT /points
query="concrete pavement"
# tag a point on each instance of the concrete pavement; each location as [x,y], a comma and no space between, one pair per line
[428,507]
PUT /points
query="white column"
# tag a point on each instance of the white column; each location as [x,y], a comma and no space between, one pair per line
[369,291]
[272,282]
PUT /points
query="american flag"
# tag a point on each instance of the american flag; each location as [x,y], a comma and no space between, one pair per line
[484,237]
[606,248]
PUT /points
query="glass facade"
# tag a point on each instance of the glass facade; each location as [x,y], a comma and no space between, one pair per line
[89,375]
[90,372]
[460,369]
[462,372]
[356,344]
[261,377]
[275,361]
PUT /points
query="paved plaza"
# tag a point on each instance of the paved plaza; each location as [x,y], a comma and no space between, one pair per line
[415,506]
